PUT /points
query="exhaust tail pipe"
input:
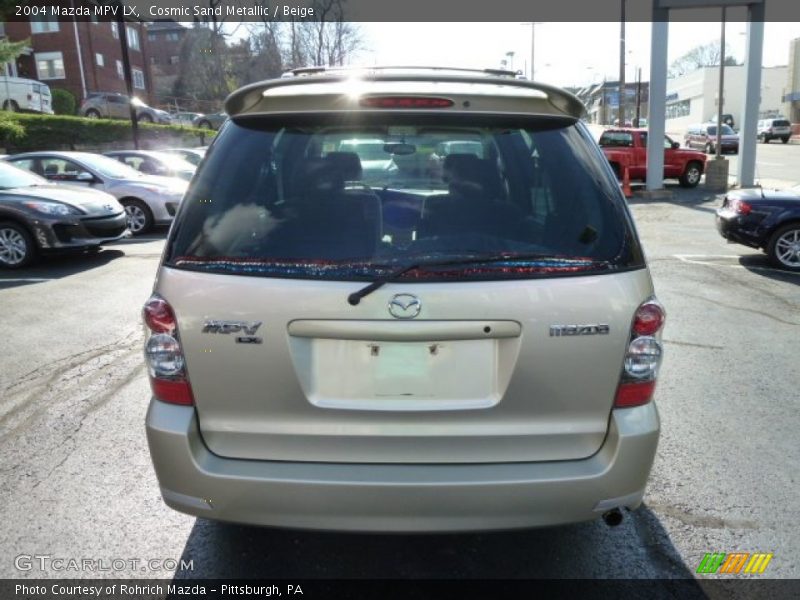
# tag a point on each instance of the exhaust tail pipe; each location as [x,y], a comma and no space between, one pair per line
[613,517]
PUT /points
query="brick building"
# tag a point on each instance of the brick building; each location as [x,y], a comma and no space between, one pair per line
[82,56]
[164,39]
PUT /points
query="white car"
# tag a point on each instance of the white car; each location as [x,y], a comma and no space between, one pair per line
[149,200]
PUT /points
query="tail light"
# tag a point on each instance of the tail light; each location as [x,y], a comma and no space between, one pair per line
[740,207]
[164,355]
[643,358]
[405,102]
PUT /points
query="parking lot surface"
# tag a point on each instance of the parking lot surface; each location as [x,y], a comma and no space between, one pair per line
[79,483]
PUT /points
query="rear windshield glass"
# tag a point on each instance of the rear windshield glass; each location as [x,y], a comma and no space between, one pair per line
[616,139]
[352,200]
[781,123]
[726,130]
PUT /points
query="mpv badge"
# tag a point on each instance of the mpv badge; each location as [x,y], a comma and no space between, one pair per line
[215,326]
[404,306]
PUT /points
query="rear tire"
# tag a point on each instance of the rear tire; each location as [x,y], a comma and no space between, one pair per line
[784,247]
[10,106]
[139,216]
[617,173]
[17,248]
[205,125]
[144,118]
[785,140]
[691,175]
[709,149]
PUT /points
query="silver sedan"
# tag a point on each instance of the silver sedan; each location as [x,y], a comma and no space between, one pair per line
[149,200]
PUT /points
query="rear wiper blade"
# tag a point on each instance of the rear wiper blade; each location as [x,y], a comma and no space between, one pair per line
[354,298]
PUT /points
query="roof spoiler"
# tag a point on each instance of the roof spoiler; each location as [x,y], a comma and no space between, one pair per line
[247,98]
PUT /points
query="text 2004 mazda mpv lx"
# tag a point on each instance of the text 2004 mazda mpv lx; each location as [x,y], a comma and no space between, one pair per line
[417,343]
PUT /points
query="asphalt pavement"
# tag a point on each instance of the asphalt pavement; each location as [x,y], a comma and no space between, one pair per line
[78,481]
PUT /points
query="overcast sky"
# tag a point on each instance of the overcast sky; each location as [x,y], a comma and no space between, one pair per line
[565,53]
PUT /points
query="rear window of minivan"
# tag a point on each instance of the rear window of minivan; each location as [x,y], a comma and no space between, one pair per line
[295,197]
[781,123]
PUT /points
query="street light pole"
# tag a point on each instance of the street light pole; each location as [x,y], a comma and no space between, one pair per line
[533,25]
[638,95]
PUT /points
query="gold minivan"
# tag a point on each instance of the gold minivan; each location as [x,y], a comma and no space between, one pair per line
[472,346]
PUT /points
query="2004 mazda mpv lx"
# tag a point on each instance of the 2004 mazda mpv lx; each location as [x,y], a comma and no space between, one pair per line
[416,343]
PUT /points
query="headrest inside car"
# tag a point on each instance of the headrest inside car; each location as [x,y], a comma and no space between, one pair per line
[347,163]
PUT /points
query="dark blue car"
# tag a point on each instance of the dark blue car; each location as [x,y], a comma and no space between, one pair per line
[765,219]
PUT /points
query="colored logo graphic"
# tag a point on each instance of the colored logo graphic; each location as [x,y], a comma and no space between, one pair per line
[734,563]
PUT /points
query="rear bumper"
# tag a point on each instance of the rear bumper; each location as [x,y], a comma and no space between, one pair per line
[380,497]
[731,228]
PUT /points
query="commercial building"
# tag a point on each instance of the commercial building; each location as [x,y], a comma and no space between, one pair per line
[693,98]
[791,99]
[602,102]
[81,56]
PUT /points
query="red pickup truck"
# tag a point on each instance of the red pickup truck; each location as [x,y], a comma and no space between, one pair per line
[621,145]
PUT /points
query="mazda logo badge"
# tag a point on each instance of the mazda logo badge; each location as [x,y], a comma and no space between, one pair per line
[404,306]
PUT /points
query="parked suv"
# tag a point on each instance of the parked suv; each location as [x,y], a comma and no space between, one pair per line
[117,106]
[474,351]
[704,137]
[774,129]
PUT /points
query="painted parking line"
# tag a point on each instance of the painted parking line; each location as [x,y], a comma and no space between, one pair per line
[697,259]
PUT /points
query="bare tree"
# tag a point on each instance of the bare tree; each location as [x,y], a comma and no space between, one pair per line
[205,57]
[707,55]
[328,38]
[324,39]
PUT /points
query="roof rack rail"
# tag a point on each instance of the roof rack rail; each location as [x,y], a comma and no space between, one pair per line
[316,70]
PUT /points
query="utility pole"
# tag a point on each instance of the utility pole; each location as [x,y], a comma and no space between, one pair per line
[126,69]
[603,101]
[533,46]
[622,65]
[638,95]
[721,86]
[533,25]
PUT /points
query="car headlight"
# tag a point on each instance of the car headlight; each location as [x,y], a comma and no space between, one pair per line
[52,208]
